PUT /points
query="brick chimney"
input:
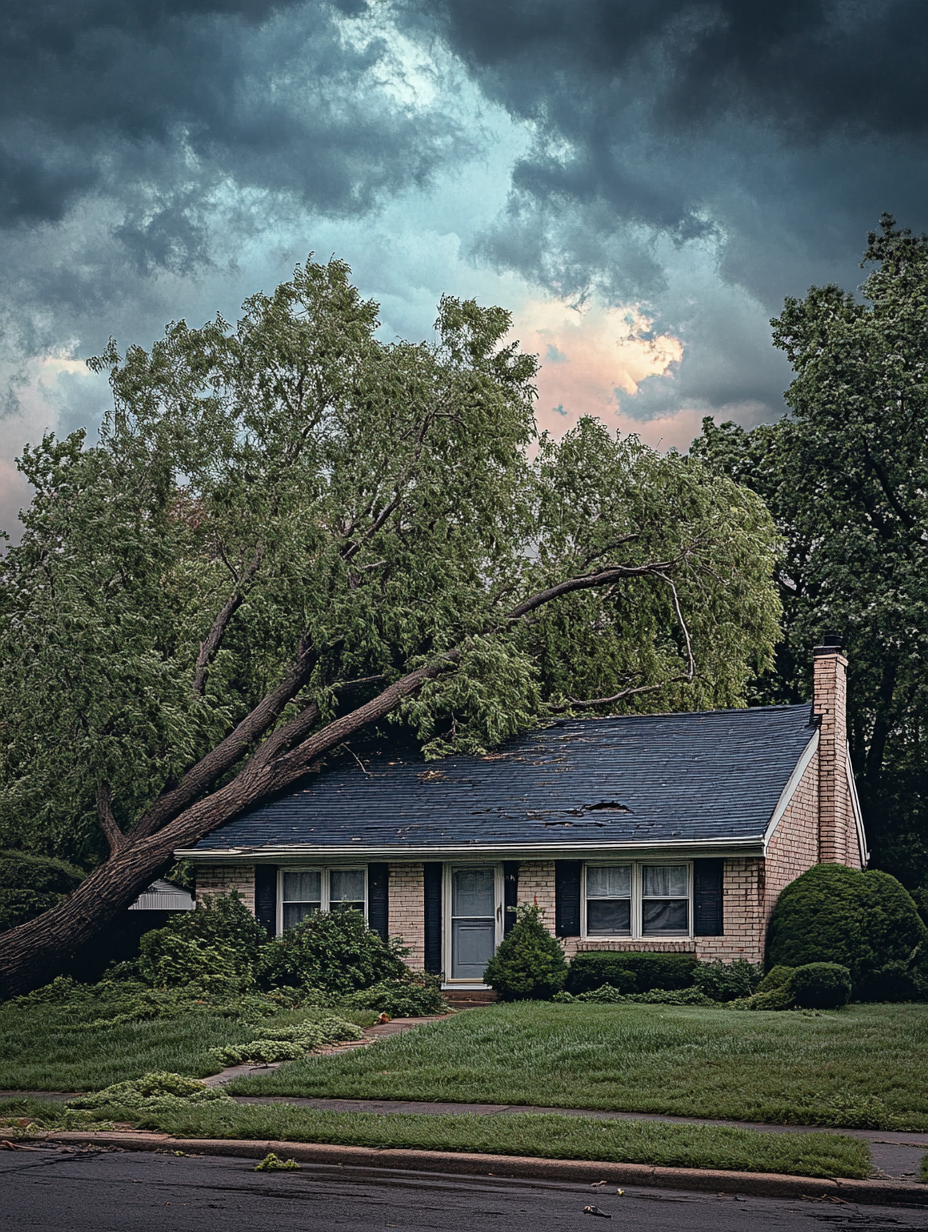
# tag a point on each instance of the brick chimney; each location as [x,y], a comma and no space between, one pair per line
[829,700]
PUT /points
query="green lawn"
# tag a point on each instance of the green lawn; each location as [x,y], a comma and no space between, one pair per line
[548,1136]
[49,1048]
[863,1067]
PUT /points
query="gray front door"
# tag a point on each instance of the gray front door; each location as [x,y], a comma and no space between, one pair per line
[473,921]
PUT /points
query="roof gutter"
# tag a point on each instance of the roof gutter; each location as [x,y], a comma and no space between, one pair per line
[687,848]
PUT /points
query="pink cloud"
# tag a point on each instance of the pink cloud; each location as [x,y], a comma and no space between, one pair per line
[588,354]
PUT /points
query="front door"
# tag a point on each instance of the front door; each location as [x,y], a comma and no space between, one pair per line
[474,920]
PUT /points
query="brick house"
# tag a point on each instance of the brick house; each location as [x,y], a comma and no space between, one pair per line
[671,832]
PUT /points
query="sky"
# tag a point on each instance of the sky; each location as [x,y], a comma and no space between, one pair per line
[640,182]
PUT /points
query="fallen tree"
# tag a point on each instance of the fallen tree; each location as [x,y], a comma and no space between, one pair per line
[289,534]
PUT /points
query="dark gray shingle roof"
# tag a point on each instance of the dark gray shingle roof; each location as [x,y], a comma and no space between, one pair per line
[713,775]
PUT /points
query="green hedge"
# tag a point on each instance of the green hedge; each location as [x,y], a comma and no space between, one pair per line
[865,921]
[630,972]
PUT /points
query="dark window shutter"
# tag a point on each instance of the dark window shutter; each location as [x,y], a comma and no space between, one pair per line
[266,896]
[708,918]
[433,876]
[378,899]
[510,893]
[567,898]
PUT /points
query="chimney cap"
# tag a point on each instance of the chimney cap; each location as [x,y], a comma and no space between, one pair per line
[831,643]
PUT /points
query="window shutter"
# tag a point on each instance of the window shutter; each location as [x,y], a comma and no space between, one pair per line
[567,898]
[708,916]
[433,876]
[378,899]
[510,893]
[266,897]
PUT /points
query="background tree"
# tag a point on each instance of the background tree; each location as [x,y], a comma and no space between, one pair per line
[289,533]
[845,476]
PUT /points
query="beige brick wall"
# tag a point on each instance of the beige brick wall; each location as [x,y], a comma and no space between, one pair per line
[794,847]
[407,910]
[223,878]
[536,885]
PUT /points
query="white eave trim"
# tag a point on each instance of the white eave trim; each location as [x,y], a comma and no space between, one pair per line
[858,815]
[754,846]
[788,791]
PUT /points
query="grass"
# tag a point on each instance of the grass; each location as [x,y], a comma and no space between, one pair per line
[548,1136]
[52,1048]
[49,1048]
[863,1067]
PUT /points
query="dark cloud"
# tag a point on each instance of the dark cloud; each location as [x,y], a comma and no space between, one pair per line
[771,135]
[108,96]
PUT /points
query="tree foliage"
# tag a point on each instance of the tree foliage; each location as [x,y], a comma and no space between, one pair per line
[291,533]
[845,476]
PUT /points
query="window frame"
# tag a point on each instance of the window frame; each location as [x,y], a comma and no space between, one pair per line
[636,932]
[326,871]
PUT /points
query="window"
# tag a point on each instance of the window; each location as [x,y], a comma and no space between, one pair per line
[637,900]
[609,900]
[305,890]
[665,900]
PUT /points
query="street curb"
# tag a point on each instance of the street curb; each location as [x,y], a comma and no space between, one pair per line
[580,1171]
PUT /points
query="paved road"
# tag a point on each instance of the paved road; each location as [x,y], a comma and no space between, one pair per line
[66,1190]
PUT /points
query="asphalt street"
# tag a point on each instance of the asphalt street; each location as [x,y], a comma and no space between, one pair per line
[93,1190]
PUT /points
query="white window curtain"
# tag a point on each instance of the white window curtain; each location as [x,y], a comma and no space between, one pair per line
[646,900]
[304,891]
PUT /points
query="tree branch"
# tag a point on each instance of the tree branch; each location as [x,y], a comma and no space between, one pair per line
[223,757]
[114,836]
[209,647]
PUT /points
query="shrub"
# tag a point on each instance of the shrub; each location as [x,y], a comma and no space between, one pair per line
[630,972]
[31,884]
[332,951]
[721,981]
[529,965]
[222,921]
[175,962]
[776,977]
[821,986]
[412,997]
[865,921]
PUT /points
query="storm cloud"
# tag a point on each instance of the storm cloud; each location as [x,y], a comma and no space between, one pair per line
[691,162]
[767,138]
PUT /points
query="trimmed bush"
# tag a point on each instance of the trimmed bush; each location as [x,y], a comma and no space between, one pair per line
[721,981]
[821,986]
[865,921]
[332,951]
[31,884]
[776,977]
[630,972]
[529,964]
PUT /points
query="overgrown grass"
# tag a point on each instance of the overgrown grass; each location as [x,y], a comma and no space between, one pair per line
[863,1067]
[53,1047]
[924,1171]
[50,1048]
[545,1135]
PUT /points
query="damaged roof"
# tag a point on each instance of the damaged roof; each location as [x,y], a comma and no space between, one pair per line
[675,778]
